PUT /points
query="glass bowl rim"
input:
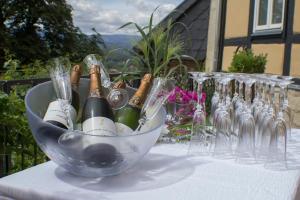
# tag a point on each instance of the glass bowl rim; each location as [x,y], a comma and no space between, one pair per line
[28,109]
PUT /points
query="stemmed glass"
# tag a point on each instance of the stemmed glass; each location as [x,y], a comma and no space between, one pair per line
[238,106]
[278,140]
[201,138]
[245,150]
[117,97]
[59,69]
[222,123]
[266,121]
[215,97]
[161,89]
[258,102]
[236,96]
[287,111]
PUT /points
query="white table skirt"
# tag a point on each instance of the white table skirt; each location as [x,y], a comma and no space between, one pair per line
[167,172]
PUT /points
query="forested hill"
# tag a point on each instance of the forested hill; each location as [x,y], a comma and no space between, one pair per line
[120,41]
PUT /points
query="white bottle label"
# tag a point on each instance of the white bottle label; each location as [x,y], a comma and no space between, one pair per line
[123,130]
[56,113]
[99,126]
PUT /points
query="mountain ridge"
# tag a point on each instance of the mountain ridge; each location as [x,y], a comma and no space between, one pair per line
[120,40]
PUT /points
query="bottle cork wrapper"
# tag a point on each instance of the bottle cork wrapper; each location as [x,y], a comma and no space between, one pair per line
[75,74]
[140,95]
[95,81]
[119,84]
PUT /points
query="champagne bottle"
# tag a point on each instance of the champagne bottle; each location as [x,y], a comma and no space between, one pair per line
[55,113]
[127,118]
[120,84]
[97,115]
[75,78]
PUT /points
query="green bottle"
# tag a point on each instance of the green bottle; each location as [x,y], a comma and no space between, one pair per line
[127,118]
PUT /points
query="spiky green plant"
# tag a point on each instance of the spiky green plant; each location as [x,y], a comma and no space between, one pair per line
[158,47]
[125,75]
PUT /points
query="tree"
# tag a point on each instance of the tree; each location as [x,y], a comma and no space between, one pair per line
[39,29]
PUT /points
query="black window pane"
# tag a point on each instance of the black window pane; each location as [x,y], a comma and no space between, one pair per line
[277,11]
[263,12]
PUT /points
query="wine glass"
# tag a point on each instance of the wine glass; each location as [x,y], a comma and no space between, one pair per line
[117,97]
[287,111]
[266,120]
[201,137]
[216,96]
[159,93]
[278,140]
[245,150]
[59,69]
[258,101]
[222,122]
[238,105]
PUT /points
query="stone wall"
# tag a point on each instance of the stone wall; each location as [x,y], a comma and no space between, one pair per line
[294,102]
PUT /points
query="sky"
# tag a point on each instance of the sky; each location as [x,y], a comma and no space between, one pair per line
[106,16]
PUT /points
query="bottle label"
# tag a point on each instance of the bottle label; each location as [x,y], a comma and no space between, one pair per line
[99,126]
[122,129]
[56,113]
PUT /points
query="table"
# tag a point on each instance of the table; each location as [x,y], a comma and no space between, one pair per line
[167,172]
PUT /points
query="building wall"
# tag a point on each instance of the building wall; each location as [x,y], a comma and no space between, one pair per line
[295,61]
[297,17]
[237,17]
[228,53]
[275,56]
[236,34]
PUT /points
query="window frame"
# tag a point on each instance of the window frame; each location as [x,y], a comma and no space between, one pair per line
[269,27]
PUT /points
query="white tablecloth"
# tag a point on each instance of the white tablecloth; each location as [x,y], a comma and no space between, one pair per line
[167,172]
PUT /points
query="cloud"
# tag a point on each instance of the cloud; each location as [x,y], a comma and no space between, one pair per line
[107,17]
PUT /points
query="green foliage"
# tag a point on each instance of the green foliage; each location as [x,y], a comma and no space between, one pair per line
[126,76]
[18,135]
[158,47]
[39,30]
[246,62]
[14,70]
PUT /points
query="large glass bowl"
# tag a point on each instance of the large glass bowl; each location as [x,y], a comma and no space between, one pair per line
[82,154]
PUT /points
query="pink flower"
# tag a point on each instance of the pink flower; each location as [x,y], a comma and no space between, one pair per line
[182,96]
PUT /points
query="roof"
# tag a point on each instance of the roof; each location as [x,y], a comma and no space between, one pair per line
[195,15]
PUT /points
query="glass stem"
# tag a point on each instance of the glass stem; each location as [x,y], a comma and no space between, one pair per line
[216,86]
[266,94]
[236,88]
[261,90]
[194,85]
[248,96]
[220,93]
[142,121]
[272,96]
[281,98]
[225,92]
[257,90]
[241,90]
[285,95]
[200,95]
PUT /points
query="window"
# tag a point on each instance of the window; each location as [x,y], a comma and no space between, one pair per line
[268,15]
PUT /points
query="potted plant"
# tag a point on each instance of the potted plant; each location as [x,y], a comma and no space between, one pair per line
[160,52]
[158,47]
[245,61]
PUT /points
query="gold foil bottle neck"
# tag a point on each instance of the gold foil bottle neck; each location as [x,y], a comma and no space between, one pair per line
[75,75]
[95,81]
[140,95]
[119,84]
[147,78]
